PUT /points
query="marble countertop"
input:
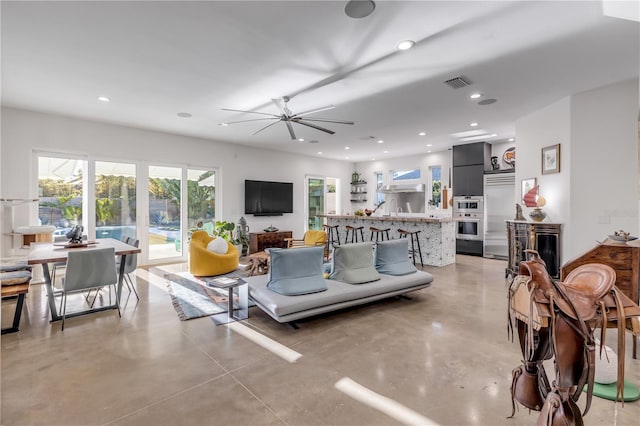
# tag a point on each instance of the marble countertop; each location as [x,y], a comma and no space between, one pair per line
[394,218]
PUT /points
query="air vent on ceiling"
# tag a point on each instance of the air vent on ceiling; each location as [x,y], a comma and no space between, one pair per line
[457,82]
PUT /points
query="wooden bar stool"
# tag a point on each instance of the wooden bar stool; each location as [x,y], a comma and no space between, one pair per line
[414,237]
[379,233]
[354,233]
[330,229]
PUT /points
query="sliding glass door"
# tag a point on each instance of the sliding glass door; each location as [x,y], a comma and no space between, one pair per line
[115,195]
[165,222]
[61,192]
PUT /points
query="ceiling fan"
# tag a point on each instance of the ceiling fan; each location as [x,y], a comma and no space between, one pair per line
[288,117]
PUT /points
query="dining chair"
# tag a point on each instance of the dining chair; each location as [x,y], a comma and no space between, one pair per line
[130,265]
[89,270]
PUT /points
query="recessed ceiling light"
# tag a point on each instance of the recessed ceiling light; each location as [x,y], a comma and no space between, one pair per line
[406,44]
[429,144]
[184,115]
[474,124]
[373,159]
[346,158]
[319,152]
[300,139]
[223,124]
[380,141]
[475,95]
[103,99]
[346,147]
[422,134]
[493,135]
[511,139]
[385,152]
[428,152]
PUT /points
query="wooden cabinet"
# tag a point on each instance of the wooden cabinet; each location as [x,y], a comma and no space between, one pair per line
[359,192]
[539,236]
[258,241]
[624,258]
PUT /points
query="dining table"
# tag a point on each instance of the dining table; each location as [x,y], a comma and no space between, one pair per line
[48,253]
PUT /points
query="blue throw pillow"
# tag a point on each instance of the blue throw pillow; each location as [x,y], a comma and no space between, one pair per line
[392,257]
[296,271]
[353,263]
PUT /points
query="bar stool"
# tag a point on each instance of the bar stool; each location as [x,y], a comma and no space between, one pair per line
[330,229]
[414,237]
[379,233]
[354,234]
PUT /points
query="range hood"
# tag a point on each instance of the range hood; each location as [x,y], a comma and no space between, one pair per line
[391,189]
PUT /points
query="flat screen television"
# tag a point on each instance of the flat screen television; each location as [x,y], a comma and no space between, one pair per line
[262,198]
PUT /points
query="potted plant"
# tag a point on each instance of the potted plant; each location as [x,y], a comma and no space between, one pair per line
[225,230]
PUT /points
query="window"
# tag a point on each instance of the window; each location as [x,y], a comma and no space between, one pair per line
[115,200]
[436,186]
[60,188]
[379,183]
[201,198]
[405,175]
[165,189]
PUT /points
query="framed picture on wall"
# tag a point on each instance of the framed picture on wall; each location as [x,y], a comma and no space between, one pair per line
[551,159]
[527,185]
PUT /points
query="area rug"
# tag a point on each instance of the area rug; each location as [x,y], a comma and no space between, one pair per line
[191,298]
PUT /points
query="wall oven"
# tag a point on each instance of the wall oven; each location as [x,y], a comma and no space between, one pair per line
[469,212]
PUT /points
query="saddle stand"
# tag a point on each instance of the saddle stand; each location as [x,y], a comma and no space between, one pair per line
[557,320]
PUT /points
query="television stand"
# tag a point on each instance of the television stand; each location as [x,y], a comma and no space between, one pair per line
[258,241]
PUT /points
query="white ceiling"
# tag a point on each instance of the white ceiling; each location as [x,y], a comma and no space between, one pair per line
[155,59]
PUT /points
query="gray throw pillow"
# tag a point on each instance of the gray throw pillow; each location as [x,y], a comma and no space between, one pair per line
[392,257]
[296,271]
[353,264]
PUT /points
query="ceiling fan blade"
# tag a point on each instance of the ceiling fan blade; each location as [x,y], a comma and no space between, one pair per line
[291,132]
[281,107]
[250,112]
[329,120]
[322,129]
[313,111]
[253,119]
[266,127]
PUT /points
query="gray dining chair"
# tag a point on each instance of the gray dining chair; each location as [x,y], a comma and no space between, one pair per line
[88,270]
[130,265]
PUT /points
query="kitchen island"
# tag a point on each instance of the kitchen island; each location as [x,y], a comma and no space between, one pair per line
[437,236]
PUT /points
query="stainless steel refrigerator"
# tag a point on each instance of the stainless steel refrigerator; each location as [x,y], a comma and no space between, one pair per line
[499,196]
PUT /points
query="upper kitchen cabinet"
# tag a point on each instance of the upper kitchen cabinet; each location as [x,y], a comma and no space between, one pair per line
[469,164]
[472,154]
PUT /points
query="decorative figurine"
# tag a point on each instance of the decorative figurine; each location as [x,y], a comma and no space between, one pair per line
[519,215]
[494,163]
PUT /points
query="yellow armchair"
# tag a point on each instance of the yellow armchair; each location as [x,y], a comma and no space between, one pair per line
[311,238]
[203,262]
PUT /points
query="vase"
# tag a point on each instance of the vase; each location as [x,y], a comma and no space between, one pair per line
[537,215]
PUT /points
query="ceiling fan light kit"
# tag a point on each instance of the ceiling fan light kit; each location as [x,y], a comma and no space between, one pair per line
[288,117]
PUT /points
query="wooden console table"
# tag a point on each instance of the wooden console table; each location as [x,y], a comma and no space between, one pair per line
[258,241]
[624,258]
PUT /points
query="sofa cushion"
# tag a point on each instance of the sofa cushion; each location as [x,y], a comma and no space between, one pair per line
[296,272]
[391,257]
[218,245]
[353,264]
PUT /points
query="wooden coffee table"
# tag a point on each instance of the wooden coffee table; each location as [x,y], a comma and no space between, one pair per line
[259,263]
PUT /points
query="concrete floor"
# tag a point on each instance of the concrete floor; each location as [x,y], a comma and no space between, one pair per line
[441,357]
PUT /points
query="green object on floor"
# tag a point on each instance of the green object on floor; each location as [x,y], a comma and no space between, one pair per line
[631,391]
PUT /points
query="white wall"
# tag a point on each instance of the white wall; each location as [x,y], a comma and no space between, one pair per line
[498,149]
[23,131]
[422,162]
[604,166]
[598,181]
